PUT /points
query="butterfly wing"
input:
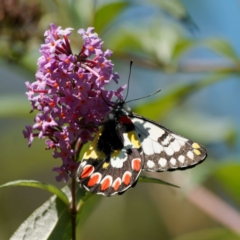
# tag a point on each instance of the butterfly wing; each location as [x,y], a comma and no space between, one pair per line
[164,150]
[113,162]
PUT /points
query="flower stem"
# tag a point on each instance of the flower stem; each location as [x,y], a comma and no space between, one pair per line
[73,210]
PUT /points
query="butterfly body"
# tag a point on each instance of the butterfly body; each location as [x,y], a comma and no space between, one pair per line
[126,144]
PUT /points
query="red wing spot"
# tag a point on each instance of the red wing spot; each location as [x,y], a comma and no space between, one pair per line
[106,183]
[87,171]
[136,164]
[116,184]
[127,178]
[95,178]
[125,120]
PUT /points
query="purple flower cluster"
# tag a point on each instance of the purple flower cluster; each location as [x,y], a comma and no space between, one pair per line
[69,95]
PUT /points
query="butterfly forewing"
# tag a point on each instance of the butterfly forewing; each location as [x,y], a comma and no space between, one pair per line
[109,167]
[165,150]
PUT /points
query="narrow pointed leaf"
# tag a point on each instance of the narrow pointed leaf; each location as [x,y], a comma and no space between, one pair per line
[45,186]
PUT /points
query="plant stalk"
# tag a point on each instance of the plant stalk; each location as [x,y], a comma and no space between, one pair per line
[73,210]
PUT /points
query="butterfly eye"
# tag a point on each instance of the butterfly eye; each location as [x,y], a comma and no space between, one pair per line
[111,116]
[129,151]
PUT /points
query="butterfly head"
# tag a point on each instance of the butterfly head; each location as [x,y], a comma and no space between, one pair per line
[119,108]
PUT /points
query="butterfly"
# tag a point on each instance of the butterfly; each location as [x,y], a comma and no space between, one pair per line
[126,144]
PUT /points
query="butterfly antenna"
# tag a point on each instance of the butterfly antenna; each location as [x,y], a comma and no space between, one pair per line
[129,76]
[145,96]
[108,103]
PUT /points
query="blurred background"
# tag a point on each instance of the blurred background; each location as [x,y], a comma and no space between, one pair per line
[189,49]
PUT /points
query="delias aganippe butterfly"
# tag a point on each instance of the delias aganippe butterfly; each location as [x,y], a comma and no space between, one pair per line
[126,144]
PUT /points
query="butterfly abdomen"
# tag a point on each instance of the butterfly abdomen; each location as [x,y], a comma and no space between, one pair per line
[110,140]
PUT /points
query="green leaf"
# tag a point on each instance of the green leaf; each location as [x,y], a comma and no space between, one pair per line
[51,221]
[222,47]
[219,46]
[106,14]
[124,41]
[181,47]
[228,176]
[159,108]
[45,186]
[145,179]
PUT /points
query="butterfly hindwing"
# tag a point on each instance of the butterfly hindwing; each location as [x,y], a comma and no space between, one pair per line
[114,160]
[164,150]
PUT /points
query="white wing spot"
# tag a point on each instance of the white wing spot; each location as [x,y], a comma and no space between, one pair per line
[175,145]
[173,161]
[181,158]
[169,150]
[117,162]
[190,155]
[150,164]
[162,162]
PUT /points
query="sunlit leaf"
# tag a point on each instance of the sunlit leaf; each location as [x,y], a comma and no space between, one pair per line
[45,186]
[123,41]
[182,46]
[145,45]
[50,221]
[106,14]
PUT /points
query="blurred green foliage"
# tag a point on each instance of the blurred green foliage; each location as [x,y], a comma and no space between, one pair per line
[156,40]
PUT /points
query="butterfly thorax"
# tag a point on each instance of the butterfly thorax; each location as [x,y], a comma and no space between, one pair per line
[119,109]
[114,126]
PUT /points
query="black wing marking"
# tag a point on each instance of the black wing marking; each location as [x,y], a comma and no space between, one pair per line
[165,150]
